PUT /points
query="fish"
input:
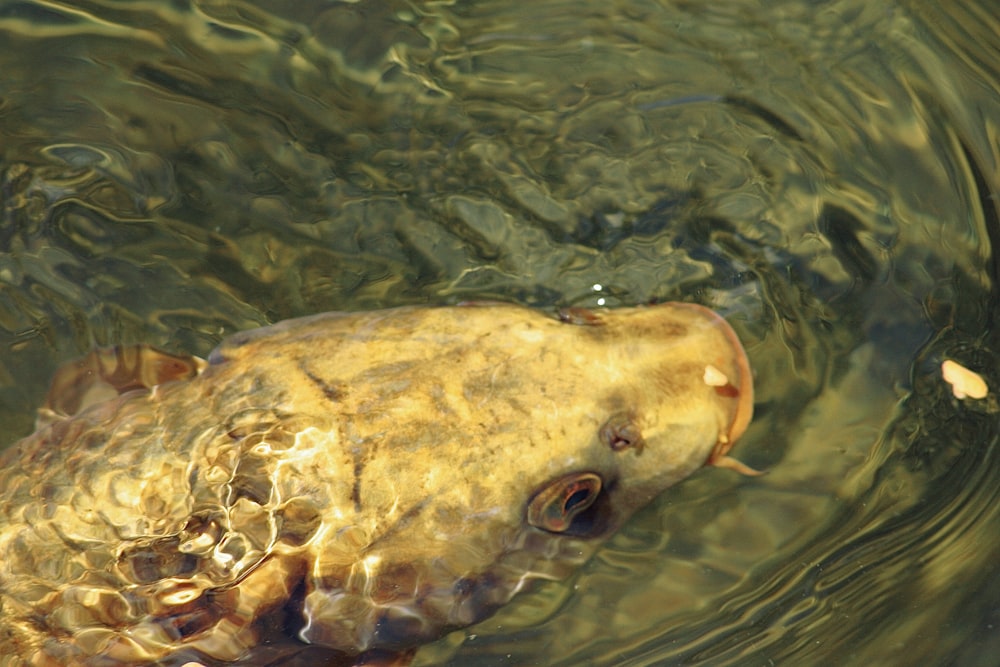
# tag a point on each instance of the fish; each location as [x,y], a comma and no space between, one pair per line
[344,487]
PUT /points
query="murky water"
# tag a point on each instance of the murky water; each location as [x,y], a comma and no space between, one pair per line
[825,173]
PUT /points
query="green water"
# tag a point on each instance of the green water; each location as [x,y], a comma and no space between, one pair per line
[824,173]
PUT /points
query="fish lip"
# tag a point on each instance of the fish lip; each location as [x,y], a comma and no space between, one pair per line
[743,412]
[744,406]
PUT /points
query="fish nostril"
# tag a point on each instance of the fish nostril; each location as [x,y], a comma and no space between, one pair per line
[620,432]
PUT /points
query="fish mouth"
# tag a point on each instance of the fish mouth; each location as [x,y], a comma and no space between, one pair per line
[744,403]
[738,389]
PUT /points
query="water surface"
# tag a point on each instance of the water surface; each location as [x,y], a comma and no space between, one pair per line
[824,173]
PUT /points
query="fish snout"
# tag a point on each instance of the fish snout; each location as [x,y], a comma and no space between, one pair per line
[728,373]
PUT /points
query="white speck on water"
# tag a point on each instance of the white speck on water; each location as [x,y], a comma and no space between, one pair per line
[964,383]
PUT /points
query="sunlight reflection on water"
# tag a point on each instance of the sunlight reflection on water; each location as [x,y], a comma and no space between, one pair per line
[826,177]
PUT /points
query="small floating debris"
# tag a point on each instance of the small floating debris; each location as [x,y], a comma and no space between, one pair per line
[964,383]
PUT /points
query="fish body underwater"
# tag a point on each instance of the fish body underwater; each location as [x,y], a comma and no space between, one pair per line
[341,488]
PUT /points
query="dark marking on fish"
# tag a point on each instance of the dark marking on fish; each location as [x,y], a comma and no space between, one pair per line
[616,402]
[667,379]
[402,522]
[359,466]
[333,392]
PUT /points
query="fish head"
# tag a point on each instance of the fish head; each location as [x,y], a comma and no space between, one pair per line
[672,389]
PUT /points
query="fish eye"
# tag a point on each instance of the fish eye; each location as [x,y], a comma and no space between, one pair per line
[554,508]
[621,432]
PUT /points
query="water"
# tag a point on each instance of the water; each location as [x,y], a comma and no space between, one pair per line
[826,174]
